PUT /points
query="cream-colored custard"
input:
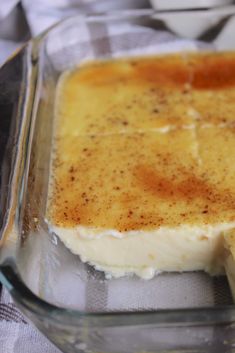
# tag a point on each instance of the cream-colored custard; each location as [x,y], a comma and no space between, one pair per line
[143,170]
[147,253]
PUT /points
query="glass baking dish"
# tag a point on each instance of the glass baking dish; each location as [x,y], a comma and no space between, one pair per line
[75,306]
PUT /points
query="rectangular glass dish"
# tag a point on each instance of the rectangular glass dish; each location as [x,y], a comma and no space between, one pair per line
[70,302]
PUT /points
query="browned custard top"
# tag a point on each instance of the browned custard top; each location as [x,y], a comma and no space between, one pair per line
[145,142]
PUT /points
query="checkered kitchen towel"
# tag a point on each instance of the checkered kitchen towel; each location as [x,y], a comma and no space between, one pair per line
[16,335]
[21,18]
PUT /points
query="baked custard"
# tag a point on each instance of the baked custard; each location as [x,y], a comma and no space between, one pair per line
[143,166]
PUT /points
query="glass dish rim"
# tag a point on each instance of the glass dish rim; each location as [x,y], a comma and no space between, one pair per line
[30,302]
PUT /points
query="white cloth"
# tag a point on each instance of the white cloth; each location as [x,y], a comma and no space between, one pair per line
[6,7]
[18,337]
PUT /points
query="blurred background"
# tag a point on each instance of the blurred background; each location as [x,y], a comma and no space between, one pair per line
[20,20]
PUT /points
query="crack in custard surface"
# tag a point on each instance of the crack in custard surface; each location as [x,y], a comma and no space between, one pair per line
[142,143]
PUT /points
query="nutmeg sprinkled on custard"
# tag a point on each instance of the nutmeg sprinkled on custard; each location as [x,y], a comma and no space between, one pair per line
[146,142]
